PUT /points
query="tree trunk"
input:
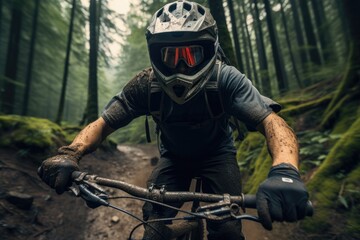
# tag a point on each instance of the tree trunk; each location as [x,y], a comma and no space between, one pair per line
[255,78]
[322,26]
[264,71]
[66,65]
[279,67]
[344,22]
[91,112]
[1,6]
[31,59]
[300,39]
[310,35]
[217,10]
[8,97]
[288,42]
[239,61]
[246,49]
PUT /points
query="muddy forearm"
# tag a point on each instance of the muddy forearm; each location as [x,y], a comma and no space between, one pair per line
[281,139]
[88,139]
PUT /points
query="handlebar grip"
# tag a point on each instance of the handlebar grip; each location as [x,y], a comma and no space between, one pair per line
[250,202]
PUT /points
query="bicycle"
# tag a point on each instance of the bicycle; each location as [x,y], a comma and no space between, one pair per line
[218,208]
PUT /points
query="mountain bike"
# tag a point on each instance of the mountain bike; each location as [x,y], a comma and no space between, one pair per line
[214,207]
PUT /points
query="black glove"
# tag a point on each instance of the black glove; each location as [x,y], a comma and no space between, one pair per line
[282,196]
[56,171]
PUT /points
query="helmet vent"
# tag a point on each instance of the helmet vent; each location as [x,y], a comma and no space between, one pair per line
[160,12]
[172,7]
[201,10]
[187,7]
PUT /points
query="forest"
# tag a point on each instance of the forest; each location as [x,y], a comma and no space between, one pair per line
[59,67]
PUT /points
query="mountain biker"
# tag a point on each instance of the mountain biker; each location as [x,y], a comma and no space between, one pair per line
[185,53]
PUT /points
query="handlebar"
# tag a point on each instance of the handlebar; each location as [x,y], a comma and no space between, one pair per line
[161,195]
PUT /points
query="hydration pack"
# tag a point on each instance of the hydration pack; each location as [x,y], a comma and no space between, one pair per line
[213,101]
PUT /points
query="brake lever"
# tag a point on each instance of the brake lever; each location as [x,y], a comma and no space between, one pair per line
[75,191]
[87,195]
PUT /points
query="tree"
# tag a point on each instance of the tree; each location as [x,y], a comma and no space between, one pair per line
[288,42]
[280,72]
[217,10]
[31,58]
[321,23]
[235,35]
[247,37]
[8,97]
[245,45]
[310,35]
[264,72]
[66,66]
[91,112]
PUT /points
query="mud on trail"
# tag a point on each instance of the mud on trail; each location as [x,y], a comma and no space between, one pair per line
[64,217]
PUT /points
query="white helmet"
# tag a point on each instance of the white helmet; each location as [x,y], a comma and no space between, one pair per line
[184,33]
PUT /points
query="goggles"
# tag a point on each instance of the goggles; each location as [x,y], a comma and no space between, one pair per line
[191,55]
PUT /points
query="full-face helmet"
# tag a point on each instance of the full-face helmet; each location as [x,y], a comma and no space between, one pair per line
[182,41]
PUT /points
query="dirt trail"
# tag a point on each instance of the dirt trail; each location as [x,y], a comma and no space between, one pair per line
[63,217]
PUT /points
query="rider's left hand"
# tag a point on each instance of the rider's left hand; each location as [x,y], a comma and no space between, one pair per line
[282,196]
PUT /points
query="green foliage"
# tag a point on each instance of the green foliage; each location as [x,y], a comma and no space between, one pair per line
[315,146]
[254,161]
[338,171]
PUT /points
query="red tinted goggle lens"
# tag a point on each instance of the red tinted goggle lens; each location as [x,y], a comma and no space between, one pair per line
[191,55]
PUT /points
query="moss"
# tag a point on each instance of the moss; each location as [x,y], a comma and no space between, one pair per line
[346,117]
[326,184]
[262,164]
[351,196]
[252,143]
[29,134]
[343,155]
[301,108]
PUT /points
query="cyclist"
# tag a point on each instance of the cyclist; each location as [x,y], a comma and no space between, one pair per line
[185,53]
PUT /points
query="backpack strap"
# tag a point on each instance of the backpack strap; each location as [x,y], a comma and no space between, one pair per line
[155,104]
[212,95]
[156,98]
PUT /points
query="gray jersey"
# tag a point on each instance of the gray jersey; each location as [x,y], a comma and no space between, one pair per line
[188,129]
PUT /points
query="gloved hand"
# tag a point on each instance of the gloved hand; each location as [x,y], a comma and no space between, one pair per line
[282,196]
[56,171]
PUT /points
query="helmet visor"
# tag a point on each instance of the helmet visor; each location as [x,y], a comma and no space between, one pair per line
[192,55]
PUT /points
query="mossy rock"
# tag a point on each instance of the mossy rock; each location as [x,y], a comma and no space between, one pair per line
[31,136]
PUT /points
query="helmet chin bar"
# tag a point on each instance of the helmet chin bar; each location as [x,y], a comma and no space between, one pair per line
[191,84]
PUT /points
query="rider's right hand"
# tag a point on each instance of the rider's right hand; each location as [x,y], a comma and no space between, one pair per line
[56,171]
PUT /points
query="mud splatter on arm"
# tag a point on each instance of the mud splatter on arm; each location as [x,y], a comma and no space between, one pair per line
[281,140]
[88,139]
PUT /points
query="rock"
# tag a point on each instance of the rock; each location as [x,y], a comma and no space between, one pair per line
[115,219]
[21,200]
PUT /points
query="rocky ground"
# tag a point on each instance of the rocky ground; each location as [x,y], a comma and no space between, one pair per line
[31,210]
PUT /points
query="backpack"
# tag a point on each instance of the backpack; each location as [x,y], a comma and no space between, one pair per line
[213,101]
